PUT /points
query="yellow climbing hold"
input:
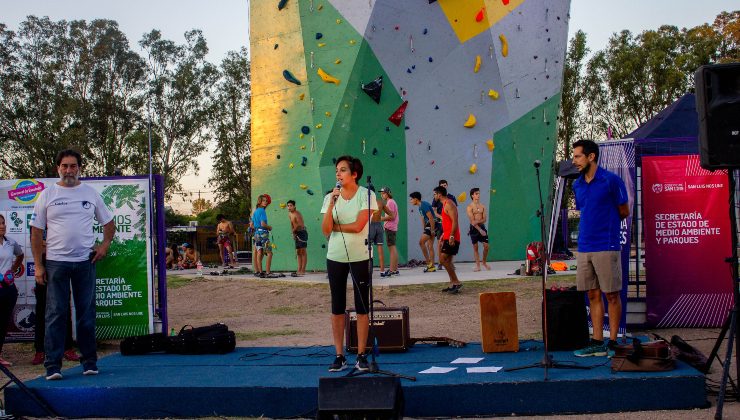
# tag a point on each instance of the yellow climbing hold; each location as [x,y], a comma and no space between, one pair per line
[462,197]
[477,64]
[301,96]
[321,44]
[473,168]
[493,191]
[352,42]
[327,77]
[303,186]
[492,94]
[282,205]
[273,245]
[291,166]
[300,136]
[470,123]
[321,6]
[303,147]
[337,61]
[504,45]
[346,105]
[339,21]
[327,113]
[490,144]
[319,125]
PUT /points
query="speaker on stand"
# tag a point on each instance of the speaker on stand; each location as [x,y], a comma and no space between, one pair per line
[718,108]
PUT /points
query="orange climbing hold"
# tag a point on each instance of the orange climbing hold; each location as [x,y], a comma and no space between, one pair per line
[479,16]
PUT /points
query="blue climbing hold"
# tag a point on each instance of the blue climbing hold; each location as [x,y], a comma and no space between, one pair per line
[304,161]
[278,156]
[436,106]
[305,129]
[407,127]
[413,67]
[285,111]
[387,128]
[319,35]
[309,192]
[375,151]
[425,31]
[392,155]
[431,59]
[408,71]
[289,77]
[281,5]
[275,47]
[334,161]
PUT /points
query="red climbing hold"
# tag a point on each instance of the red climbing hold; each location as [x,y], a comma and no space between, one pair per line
[397,116]
[479,16]
[506,2]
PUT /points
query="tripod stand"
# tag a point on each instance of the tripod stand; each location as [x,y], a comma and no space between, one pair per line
[374,369]
[730,326]
[547,361]
[35,398]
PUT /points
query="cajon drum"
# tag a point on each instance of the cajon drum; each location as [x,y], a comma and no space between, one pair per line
[498,325]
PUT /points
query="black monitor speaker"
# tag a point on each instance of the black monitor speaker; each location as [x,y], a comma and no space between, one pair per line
[718,108]
[367,397]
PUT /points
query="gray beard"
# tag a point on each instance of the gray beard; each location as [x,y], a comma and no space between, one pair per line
[69,181]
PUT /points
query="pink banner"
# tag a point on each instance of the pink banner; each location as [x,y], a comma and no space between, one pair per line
[687,238]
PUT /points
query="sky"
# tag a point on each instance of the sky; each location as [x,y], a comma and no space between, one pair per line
[225,25]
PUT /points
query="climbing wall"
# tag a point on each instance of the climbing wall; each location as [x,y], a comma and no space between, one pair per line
[462,90]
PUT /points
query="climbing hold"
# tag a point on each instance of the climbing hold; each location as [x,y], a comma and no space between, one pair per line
[425,31]
[397,27]
[408,71]
[397,116]
[327,77]
[334,161]
[304,161]
[477,64]
[431,59]
[387,129]
[285,111]
[305,129]
[436,106]
[470,123]
[337,61]
[490,145]
[413,67]
[291,166]
[375,151]
[327,113]
[321,6]
[493,191]
[309,192]
[403,92]
[300,136]
[282,205]
[278,156]
[301,96]
[319,125]
[417,178]
[473,168]
[352,42]
[479,16]
[504,45]
[506,2]
[289,77]
[321,44]
[303,147]
[431,163]
[281,4]
[319,35]
[463,195]
[303,186]
[339,21]
[346,105]
[407,128]
[492,94]
[392,155]
[275,47]
[373,89]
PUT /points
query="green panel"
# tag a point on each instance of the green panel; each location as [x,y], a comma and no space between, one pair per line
[514,222]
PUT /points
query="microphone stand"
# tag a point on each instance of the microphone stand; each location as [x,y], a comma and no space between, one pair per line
[547,361]
[373,362]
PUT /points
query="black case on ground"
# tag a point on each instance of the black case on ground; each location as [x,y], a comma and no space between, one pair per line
[144,344]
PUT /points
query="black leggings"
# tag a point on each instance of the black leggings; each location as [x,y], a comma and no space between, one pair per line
[338,272]
[8,298]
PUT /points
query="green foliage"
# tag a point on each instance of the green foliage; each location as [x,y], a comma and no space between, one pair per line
[256,335]
[171,218]
[571,115]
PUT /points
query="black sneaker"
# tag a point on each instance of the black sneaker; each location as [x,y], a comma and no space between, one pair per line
[90,368]
[456,288]
[53,374]
[340,363]
[394,273]
[362,363]
[448,289]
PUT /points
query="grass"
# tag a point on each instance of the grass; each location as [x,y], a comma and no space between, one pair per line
[175,281]
[287,310]
[256,335]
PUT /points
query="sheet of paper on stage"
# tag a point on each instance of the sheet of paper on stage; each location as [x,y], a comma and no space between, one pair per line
[435,369]
[467,360]
[484,369]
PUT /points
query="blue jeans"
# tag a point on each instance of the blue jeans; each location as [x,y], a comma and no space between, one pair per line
[59,276]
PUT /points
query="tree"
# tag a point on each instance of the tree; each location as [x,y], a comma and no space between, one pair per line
[179,102]
[200,205]
[727,25]
[231,124]
[570,120]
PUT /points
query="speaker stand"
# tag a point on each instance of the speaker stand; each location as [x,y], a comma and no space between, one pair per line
[32,395]
[547,361]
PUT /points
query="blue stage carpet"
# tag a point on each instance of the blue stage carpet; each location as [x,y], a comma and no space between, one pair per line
[283,382]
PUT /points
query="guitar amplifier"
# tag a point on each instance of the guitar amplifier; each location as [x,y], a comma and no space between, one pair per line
[391,328]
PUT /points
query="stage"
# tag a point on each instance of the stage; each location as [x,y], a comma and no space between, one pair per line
[283,382]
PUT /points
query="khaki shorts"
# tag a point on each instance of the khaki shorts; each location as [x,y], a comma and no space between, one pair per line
[599,270]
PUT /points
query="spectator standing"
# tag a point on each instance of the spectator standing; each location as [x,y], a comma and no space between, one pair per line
[391,229]
[300,235]
[478,233]
[429,230]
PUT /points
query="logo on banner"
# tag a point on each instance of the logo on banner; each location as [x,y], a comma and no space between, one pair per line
[657,188]
[24,318]
[16,223]
[26,191]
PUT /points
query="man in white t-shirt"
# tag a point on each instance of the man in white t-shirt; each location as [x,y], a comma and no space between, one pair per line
[67,210]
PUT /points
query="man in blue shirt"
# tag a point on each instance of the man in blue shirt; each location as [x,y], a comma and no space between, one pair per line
[602,199]
[262,236]
[429,230]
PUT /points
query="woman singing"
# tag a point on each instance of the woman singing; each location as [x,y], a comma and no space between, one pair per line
[345,213]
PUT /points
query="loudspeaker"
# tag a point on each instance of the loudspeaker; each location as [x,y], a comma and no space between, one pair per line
[390,325]
[567,321]
[718,108]
[360,398]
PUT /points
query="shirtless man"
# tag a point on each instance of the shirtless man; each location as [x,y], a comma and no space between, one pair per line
[478,233]
[190,257]
[225,231]
[300,235]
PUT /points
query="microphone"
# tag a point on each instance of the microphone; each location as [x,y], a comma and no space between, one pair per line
[537,163]
[338,185]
